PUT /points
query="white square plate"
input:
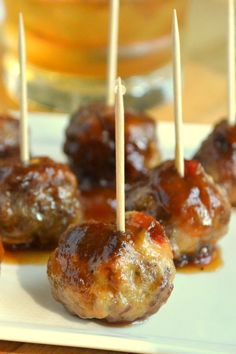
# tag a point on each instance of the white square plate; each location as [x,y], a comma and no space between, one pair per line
[200,316]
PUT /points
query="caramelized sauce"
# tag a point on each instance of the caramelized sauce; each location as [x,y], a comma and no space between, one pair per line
[26,257]
[215,263]
[92,155]
[99,204]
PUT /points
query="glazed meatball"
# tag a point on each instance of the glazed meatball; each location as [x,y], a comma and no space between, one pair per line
[98,272]
[37,202]
[217,154]
[193,209]
[9,137]
[90,145]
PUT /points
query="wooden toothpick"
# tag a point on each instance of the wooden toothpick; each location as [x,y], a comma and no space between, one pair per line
[120,156]
[231,62]
[177,87]
[24,144]
[112,50]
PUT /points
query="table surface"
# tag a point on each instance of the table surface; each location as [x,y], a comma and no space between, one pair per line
[204,101]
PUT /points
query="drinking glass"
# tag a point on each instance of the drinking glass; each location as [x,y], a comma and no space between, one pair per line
[67,49]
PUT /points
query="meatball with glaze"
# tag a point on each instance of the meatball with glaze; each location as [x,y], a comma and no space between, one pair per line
[9,137]
[193,209]
[38,201]
[99,272]
[90,145]
[217,154]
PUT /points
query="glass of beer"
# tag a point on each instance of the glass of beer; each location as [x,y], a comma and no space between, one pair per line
[67,43]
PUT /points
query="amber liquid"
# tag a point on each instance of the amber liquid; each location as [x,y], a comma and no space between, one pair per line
[215,263]
[67,46]
[41,257]
[70,36]
[26,257]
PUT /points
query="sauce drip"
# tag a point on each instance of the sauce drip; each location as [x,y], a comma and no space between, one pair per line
[26,257]
[99,204]
[215,263]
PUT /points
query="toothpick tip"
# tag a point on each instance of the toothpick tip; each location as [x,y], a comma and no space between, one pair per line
[112,50]
[20,18]
[119,86]
[21,24]
[177,86]
[174,17]
[118,80]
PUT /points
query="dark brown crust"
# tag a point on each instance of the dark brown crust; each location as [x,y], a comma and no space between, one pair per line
[90,145]
[194,210]
[1,251]
[9,137]
[98,243]
[217,154]
[94,261]
[37,202]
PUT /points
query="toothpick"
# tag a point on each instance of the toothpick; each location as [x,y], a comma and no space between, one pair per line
[231,62]
[24,144]
[177,87]
[112,50]
[120,156]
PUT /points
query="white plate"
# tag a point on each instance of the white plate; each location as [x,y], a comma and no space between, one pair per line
[200,316]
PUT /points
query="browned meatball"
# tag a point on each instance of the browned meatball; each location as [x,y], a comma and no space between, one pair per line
[98,272]
[217,154]
[9,137]
[37,202]
[90,145]
[194,210]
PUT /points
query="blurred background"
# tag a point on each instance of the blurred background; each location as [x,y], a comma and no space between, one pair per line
[66,48]
[206,33]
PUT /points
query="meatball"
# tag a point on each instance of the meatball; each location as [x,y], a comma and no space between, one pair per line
[193,209]
[99,272]
[90,145]
[9,137]
[37,202]
[217,154]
